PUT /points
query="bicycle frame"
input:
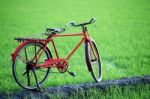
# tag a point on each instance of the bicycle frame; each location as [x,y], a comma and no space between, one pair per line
[85,38]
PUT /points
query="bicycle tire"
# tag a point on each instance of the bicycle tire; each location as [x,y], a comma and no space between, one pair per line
[96,70]
[19,75]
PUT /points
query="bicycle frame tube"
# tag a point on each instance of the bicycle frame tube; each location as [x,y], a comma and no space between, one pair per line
[73,51]
[85,37]
[55,49]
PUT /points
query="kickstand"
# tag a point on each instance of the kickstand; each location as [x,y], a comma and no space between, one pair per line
[71,73]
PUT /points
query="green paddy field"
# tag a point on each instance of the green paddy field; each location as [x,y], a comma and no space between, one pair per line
[122,34]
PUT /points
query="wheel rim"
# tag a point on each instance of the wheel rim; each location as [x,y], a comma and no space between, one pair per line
[23,66]
[95,62]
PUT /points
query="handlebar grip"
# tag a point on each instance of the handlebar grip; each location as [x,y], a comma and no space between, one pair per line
[92,20]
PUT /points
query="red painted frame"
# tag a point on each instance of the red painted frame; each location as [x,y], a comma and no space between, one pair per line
[76,47]
[85,37]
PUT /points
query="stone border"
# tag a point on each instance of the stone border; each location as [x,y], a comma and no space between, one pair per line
[72,89]
[68,90]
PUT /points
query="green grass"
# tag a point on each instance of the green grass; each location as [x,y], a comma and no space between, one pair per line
[122,34]
[140,92]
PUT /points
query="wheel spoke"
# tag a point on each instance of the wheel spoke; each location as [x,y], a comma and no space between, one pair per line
[24,73]
[35,76]
[36,54]
[28,77]
[26,54]
[22,58]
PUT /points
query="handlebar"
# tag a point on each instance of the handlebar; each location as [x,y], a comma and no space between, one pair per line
[60,30]
[93,20]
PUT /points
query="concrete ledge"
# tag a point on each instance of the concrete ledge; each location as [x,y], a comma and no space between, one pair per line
[68,90]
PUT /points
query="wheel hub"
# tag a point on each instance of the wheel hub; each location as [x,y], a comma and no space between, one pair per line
[29,66]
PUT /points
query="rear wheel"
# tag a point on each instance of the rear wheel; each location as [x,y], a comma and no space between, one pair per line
[93,60]
[24,71]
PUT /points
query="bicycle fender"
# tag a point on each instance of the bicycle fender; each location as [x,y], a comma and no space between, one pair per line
[14,55]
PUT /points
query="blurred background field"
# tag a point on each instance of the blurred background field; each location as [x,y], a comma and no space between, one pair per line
[122,33]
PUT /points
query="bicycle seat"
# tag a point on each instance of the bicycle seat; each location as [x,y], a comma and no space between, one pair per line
[55,30]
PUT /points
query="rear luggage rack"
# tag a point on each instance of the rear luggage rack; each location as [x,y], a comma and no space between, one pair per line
[29,39]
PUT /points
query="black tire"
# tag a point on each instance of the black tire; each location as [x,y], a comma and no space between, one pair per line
[26,78]
[95,69]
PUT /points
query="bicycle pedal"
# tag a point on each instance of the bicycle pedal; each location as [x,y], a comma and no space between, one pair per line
[72,74]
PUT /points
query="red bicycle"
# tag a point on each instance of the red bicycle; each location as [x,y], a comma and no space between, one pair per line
[33,57]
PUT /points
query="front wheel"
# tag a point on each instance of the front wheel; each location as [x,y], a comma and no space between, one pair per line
[93,60]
